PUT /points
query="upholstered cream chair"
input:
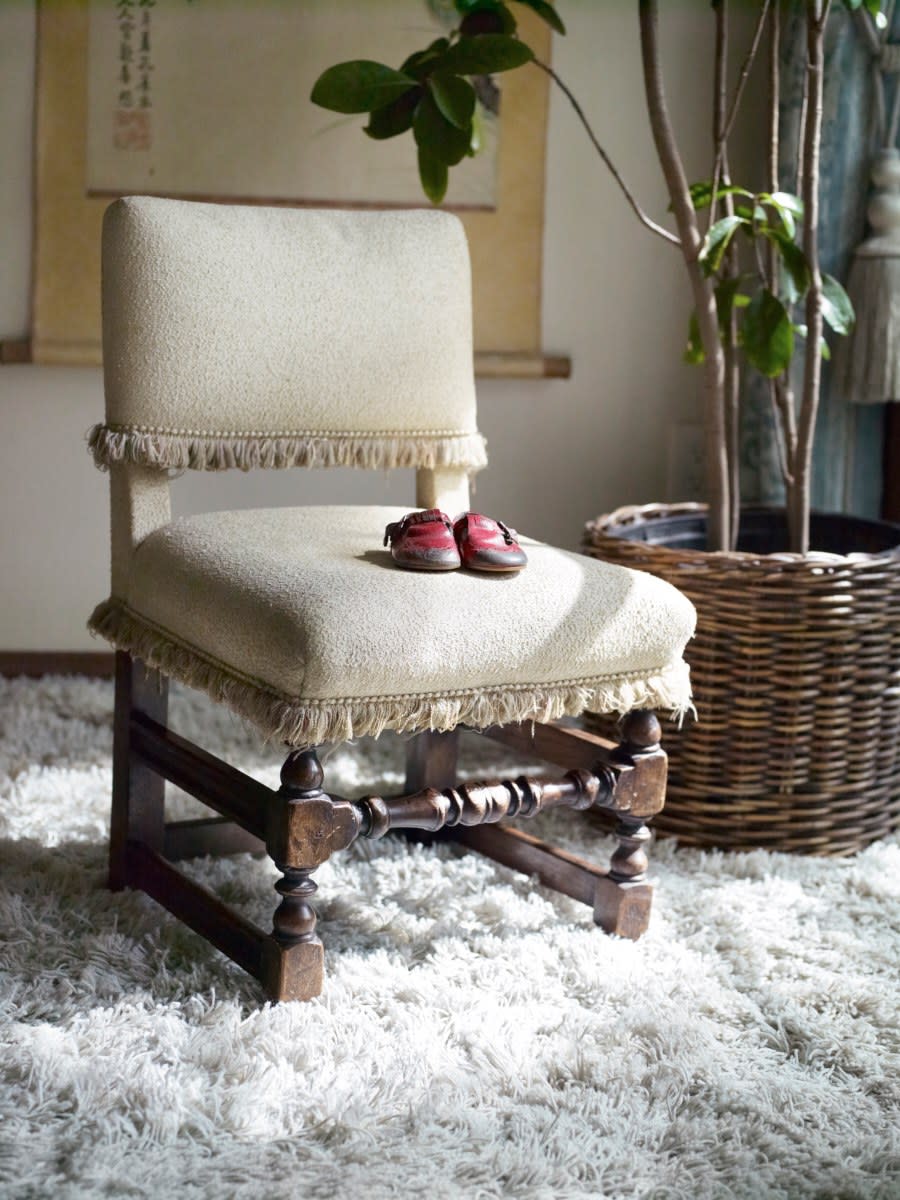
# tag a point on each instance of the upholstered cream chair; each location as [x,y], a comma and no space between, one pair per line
[251,337]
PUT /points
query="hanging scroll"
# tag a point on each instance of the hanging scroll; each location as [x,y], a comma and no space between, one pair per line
[209,99]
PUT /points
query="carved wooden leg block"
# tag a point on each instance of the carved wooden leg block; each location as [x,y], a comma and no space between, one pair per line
[292,972]
[623,908]
[138,807]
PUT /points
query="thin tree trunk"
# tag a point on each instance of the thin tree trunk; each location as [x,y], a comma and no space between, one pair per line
[704,298]
[722,173]
[799,490]
[725,126]
[781,390]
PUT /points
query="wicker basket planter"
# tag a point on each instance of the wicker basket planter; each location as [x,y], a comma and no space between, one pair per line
[796,671]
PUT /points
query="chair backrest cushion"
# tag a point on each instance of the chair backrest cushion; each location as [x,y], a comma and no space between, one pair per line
[241,336]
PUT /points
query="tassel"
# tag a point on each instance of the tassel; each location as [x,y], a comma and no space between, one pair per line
[867,363]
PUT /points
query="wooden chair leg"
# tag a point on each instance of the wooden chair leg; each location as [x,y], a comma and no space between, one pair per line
[624,896]
[431,760]
[293,957]
[138,792]
[636,770]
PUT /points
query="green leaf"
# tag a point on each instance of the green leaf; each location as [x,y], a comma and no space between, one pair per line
[435,134]
[547,13]
[359,86]
[423,62]
[873,7]
[788,208]
[716,242]
[788,223]
[786,200]
[787,220]
[394,118]
[727,298]
[701,193]
[837,310]
[796,267]
[455,97]
[433,175]
[768,335]
[486,16]
[693,351]
[486,55]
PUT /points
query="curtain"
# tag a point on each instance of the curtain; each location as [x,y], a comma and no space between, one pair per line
[848,450]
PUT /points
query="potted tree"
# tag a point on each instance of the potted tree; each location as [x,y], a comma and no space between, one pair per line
[797,655]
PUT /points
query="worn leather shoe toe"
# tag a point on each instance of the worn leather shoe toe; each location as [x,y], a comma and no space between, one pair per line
[487,545]
[423,541]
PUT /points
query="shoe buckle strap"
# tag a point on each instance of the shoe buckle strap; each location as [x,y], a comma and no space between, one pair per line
[391,531]
[509,535]
[428,516]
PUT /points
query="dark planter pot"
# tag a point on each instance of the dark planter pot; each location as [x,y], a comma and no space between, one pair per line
[796,673]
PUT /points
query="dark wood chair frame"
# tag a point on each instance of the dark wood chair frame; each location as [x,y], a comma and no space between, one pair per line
[300,826]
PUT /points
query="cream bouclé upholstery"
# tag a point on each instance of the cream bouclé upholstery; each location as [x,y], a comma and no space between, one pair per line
[301,620]
[262,285]
[248,336]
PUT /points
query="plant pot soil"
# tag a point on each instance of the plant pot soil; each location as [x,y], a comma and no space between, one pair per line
[796,673]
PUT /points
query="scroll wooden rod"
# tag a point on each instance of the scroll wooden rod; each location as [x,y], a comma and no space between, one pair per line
[489,364]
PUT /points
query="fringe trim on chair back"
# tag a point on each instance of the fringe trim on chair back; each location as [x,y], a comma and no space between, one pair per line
[182,449]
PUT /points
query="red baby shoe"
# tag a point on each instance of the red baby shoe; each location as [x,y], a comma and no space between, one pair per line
[487,545]
[423,541]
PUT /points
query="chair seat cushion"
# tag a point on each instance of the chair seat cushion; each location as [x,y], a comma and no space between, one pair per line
[298,619]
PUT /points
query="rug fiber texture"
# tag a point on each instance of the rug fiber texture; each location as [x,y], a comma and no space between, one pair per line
[478,1036]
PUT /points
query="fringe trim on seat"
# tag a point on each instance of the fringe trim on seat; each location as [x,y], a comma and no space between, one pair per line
[204,452]
[315,722]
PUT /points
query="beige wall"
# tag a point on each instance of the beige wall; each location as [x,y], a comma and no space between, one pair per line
[561,451]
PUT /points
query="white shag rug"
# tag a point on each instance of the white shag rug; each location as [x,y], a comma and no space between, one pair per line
[477,1037]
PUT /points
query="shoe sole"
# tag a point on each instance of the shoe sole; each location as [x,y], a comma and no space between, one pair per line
[426,566]
[494,570]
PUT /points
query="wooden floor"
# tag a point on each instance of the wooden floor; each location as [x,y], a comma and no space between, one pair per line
[99,664]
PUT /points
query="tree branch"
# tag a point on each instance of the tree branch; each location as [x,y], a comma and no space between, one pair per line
[784,451]
[704,297]
[799,498]
[783,395]
[731,266]
[780,389]
[770,273]
[610,165]
[720,85]
[774,75]
[823,17]
[725,124]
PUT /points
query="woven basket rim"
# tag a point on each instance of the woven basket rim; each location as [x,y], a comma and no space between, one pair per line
[603,527]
